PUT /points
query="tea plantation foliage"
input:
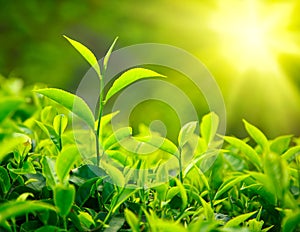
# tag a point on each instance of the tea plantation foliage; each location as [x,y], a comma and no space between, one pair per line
[51,182]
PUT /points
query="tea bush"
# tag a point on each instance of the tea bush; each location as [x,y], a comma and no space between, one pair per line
[50,181]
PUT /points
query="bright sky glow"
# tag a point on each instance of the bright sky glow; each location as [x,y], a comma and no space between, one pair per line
[253,33]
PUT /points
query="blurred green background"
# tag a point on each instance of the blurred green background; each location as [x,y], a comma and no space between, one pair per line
[252,48]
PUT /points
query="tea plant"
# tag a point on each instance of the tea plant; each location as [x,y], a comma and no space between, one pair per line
[49,181]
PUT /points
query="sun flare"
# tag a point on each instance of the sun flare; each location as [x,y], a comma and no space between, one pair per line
[252,34]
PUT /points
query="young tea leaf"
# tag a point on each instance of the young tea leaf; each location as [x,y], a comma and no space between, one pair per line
[280,144]
[161,143]
[65,161]
[239,219]
[209,127]
[128,78]
[72,102]
[121,198]
[186,133]
[226,186]
[116,137]
[48,169]
[64,197]
[276,169]
[248,151]
[132,220]
[115,174]
[257,135]
[107,56]
[60,123]
[86,54]
[291,153]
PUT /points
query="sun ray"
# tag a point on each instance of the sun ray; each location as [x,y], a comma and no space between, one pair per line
[252,34]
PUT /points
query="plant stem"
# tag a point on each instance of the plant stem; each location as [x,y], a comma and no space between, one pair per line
[180,166]
[100,112]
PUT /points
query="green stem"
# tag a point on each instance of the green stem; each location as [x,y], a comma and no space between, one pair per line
[65,223]
[180,166]
[100,112]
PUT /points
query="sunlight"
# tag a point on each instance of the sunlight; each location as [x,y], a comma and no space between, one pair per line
[252,34]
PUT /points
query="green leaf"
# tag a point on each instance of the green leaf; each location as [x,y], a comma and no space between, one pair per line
[48,229]
[238,220]
[64,197]
[65,161]
[209,126]
[4,180]
[13,209]
[261,185]
[86,219]
[257,135]
[132,220]
[86,54]
[172,192]
[8,105]
[60,123]
[248,151]
[128,78]
[255,226]
[72,102]
[186,132]
[291,153]
[48,169]
[116,137]
[121,198]
[229,184]
[8,145]
[107,56]
[115,174]
[26,168]
[291,222]
[280,144]
[208,211]
[161,143]
[183,194]
[115,224]
[276,169]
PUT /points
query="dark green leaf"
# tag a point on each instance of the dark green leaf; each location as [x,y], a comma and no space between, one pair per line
[4,180]
[291,222]
[115,224]
[17,208]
